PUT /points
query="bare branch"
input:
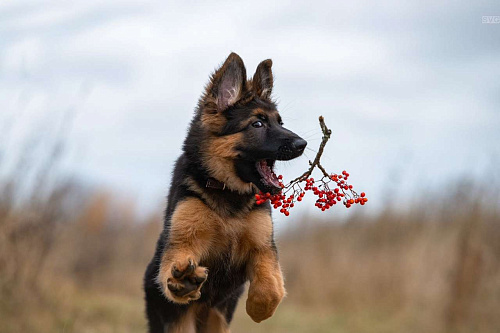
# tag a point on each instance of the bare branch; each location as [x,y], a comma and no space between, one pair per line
[316,163]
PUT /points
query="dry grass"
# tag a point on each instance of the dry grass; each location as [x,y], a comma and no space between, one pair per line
[433,273]
[72,261]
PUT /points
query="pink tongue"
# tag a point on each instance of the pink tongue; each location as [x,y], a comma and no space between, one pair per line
[268,175]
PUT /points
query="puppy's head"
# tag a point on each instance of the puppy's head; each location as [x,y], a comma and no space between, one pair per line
[245,131]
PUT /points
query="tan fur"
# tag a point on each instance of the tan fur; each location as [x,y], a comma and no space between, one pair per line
[216,323]
[266,286]
[218,155]
[254,236]
[191,236]
[197,232]
[192,231]
[224,146]
[259,112]
[213,122]
[266,279]
[263,113]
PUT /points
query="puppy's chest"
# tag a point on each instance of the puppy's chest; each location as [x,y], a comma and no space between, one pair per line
[239,237]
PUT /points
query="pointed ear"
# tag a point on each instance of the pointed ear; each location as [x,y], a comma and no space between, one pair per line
[263,79]
[227,83]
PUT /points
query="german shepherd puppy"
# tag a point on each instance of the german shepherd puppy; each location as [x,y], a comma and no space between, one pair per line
[215,237]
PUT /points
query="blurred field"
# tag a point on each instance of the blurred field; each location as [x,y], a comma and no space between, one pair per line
[72,260]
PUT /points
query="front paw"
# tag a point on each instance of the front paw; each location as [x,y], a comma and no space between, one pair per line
[263,299]
[183,281]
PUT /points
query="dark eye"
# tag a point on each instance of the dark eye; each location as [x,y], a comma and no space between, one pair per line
[258,124]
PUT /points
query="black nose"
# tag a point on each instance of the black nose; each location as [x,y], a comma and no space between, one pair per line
[299,144]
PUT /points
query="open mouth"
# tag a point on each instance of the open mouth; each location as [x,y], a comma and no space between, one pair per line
[265,169]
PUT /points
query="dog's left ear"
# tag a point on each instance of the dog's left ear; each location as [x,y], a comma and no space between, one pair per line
[262,80]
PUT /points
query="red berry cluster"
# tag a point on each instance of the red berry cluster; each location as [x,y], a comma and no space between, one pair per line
[278,200]
[326,196]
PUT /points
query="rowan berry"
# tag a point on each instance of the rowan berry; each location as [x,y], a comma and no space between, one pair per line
[327,196]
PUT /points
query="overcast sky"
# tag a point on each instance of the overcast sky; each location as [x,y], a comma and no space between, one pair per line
[411,89]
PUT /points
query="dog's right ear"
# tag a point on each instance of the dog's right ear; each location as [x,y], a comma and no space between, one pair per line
[226,84]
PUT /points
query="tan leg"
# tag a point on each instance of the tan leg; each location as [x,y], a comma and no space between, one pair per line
[266,285]
[191,235]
